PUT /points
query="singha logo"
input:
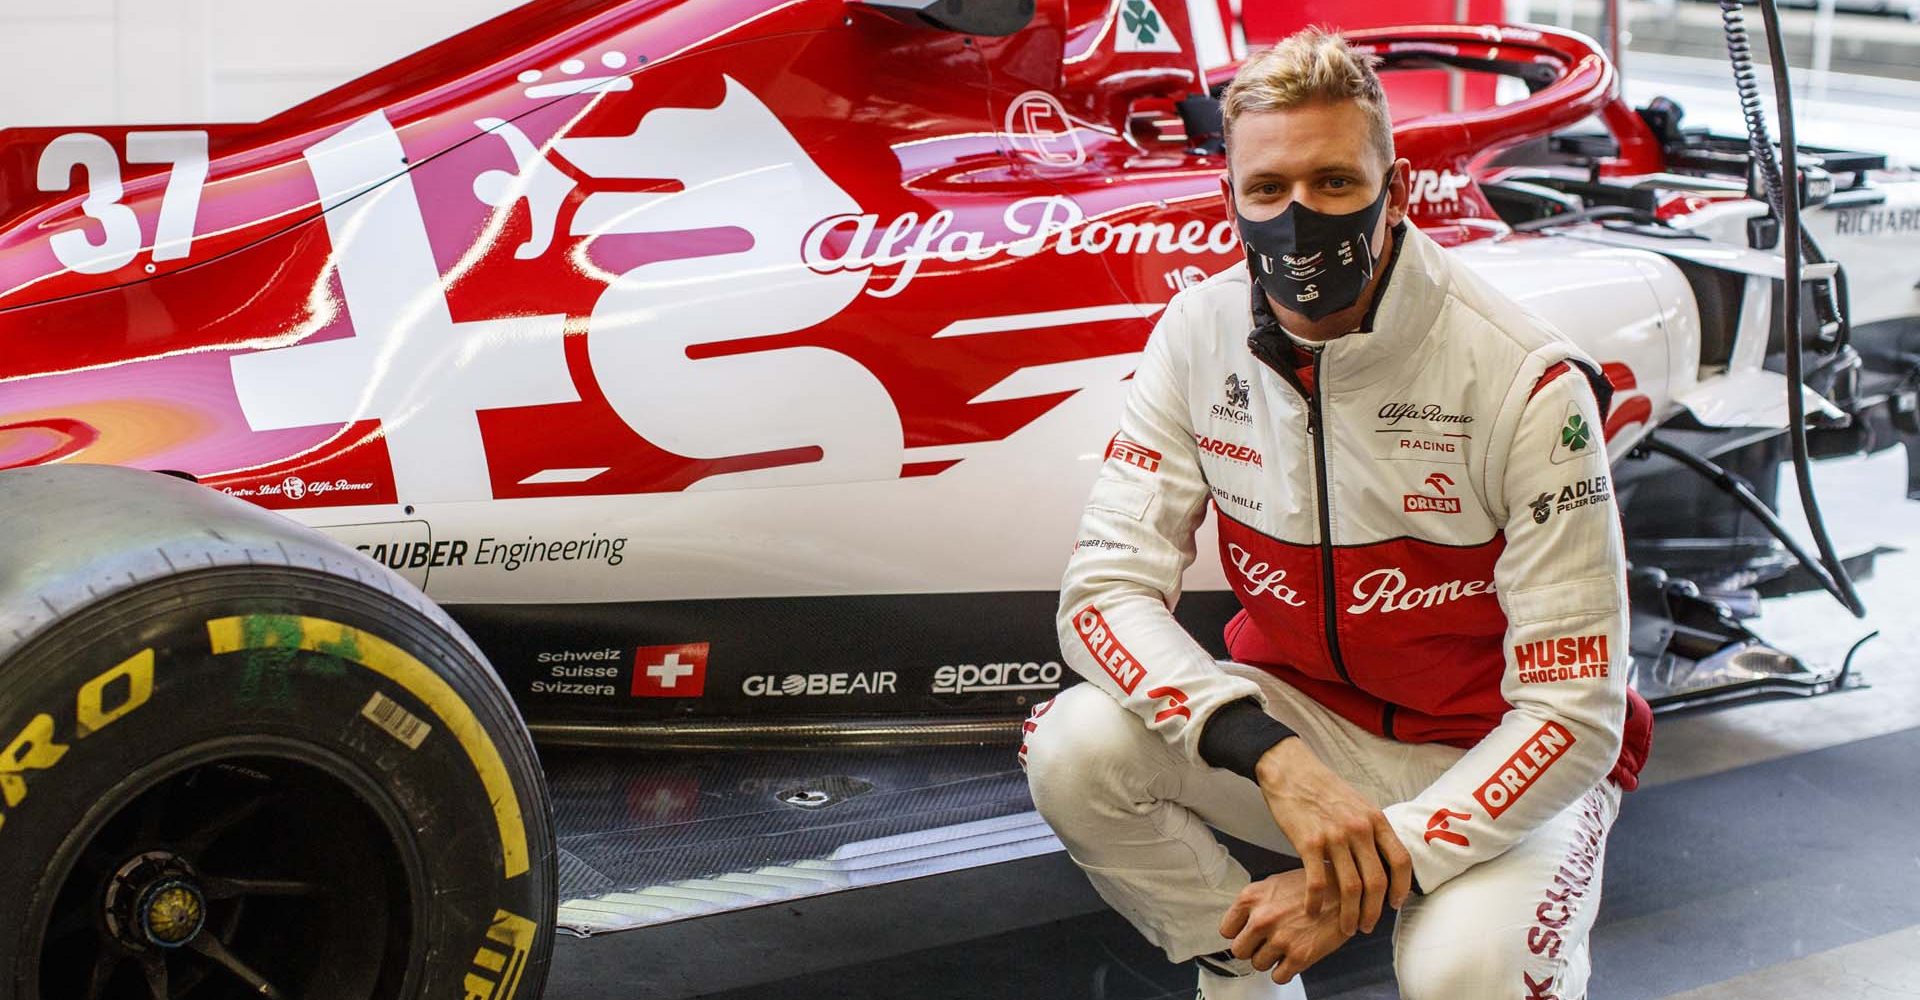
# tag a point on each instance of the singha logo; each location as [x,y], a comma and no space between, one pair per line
[1237,391]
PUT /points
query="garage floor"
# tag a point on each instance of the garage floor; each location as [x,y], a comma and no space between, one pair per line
[1772,851]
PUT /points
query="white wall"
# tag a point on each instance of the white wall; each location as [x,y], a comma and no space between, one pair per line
[107,62]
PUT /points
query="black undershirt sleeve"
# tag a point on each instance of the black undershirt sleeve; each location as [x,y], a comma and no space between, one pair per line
[1238,734]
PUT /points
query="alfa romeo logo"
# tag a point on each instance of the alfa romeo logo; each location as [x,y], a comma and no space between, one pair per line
[1142,21]
[1575,434]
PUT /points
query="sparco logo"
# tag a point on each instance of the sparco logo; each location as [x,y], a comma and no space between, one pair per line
[1387,590]
[1259,578]
[1524,768]
[1106,650]
[793,685]
[1393,413]
[969,677]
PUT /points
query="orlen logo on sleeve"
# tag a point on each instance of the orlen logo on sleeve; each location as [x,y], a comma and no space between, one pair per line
[1522,769]
[1112,657]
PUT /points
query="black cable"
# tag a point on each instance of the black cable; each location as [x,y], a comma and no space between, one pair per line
[1790,256]
[1747,83]
[1734,487]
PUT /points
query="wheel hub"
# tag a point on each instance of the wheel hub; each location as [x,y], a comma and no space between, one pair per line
[155,901]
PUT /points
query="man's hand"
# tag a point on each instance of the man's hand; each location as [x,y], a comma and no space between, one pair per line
[1270,924]
[1338,833]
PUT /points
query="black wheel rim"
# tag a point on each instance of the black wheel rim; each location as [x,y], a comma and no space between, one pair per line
[244,868]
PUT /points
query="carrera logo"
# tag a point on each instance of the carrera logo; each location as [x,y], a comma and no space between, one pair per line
[1525,767]
[1564,659]
[1386,590]
[1107,651]
[1133,454]
[1442,504]
[1228,450]
[1437,828]
[670,671]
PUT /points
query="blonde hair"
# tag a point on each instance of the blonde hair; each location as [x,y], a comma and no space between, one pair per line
[1309,66]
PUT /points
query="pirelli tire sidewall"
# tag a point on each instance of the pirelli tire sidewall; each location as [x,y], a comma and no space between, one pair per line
[311,660]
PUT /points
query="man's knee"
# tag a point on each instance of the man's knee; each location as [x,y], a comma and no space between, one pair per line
[1082,749]
[1482,967]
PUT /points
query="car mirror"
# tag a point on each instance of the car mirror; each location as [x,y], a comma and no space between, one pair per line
[967,17]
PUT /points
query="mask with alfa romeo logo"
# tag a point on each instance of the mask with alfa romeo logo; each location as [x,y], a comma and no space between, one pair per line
[1313,263]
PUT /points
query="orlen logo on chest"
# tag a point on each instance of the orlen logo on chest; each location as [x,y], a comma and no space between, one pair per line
[1107,651]
[1524,768]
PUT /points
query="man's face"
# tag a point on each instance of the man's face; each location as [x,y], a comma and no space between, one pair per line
[1316,154]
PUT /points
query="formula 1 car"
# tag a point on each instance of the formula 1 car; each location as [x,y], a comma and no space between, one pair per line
[694,382]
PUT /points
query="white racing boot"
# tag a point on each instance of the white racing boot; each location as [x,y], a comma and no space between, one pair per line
[1255,985]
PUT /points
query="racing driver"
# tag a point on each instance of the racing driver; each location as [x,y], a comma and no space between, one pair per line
[1426,699]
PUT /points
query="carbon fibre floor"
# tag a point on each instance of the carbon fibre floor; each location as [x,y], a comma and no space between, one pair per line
[1773,850]
[1706,879]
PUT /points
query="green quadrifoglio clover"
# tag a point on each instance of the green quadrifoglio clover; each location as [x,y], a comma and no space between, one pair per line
[1576,433]
[1142,20]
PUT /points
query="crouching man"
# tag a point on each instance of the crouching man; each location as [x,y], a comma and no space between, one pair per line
[1426,696]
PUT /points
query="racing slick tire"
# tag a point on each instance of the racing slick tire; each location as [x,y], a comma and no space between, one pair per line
[239,760]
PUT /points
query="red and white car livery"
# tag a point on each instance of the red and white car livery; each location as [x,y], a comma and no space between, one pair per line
[752,324]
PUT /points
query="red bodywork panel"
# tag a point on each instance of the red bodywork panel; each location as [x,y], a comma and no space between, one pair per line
[560,254]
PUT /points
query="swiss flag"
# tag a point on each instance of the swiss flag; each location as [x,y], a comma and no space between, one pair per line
[670,671]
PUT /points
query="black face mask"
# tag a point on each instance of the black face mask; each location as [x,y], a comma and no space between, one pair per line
[1313,263]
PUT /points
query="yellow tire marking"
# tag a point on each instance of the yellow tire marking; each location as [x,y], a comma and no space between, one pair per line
[93,713]
[397,665]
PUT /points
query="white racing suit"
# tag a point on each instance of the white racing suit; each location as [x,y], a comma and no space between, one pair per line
[1417,521]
